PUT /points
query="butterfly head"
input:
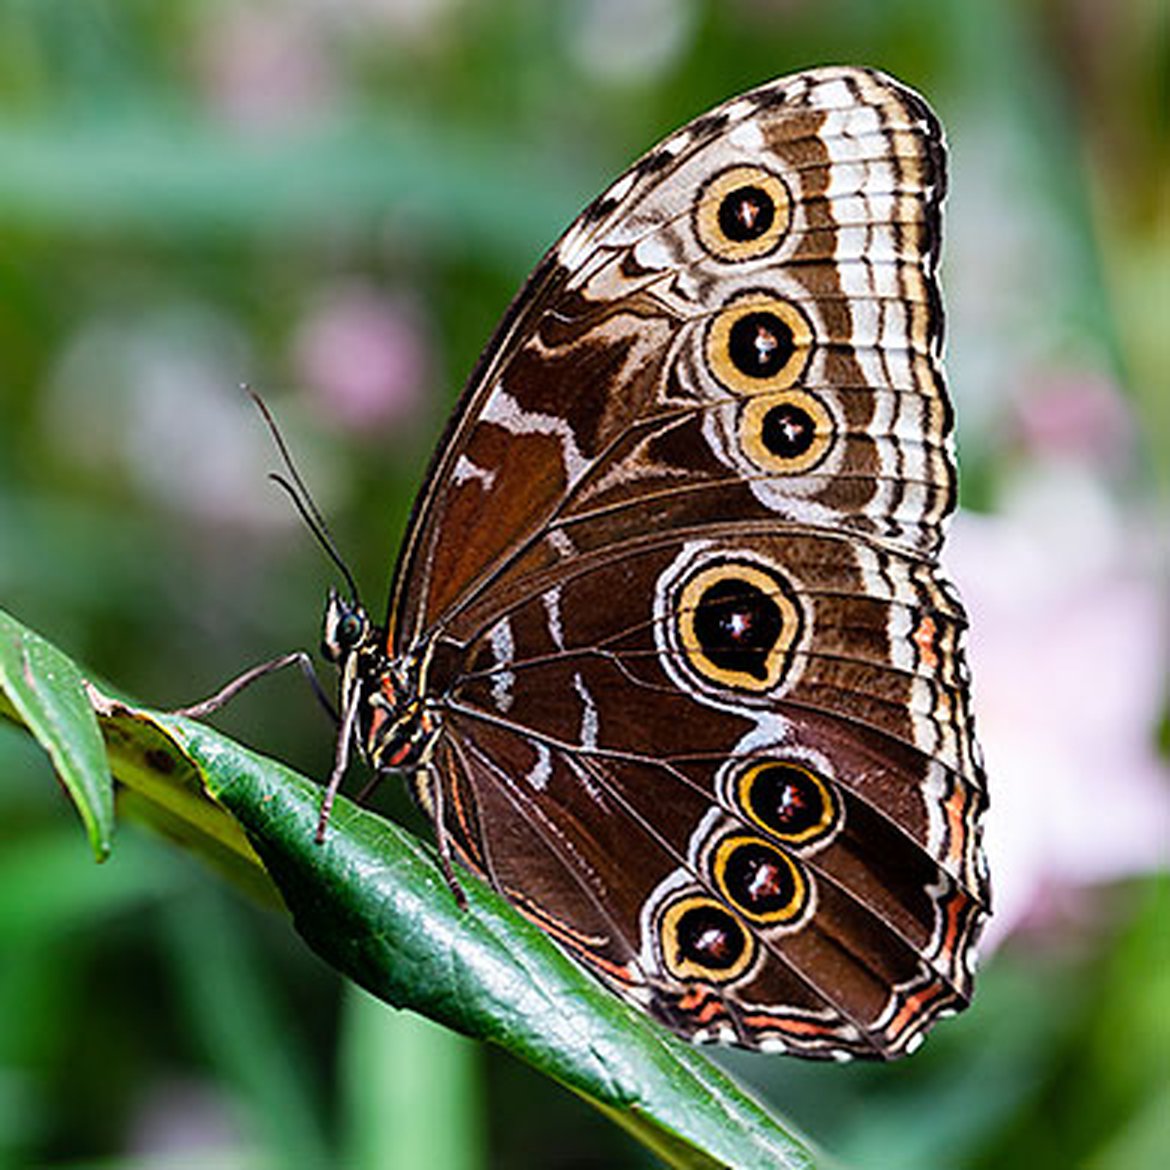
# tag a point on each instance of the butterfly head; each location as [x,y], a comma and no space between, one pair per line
[347,631]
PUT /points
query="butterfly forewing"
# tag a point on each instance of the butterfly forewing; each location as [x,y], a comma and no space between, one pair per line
[629,297]
[703,709]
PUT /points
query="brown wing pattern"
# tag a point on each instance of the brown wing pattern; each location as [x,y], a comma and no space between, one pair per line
[703,702]
[614,761]
[606,365]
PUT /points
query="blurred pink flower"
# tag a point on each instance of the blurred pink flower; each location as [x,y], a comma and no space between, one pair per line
[413,23]
[186,1122]
[1068,649]
[365,356]
[265,67]
[1076,416]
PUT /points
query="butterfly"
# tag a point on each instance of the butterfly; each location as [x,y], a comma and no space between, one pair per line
[669,661]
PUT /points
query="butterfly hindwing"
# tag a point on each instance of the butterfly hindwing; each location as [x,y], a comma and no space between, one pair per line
[623,738]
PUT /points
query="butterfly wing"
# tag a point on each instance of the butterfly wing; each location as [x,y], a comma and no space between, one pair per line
[809,797]
[702,694]
[607,390]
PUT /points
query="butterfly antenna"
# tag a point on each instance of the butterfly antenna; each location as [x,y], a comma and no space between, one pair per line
[301,497]
[312,522]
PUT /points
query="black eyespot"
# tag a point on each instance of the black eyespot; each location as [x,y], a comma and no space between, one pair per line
[788,431]
[710,937]
[746,213]
[760,344]
[737,625]
[790,801]
[761,880]
[742,213]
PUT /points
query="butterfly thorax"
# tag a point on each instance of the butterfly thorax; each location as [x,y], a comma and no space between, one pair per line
[381,698]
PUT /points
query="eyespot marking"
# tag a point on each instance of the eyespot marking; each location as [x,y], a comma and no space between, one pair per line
[758,343]
[737,625]
[701,939]
[789,432]
[761,881]
[742,213]
[789,801]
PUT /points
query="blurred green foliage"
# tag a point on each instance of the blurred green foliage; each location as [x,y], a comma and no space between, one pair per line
[184,189]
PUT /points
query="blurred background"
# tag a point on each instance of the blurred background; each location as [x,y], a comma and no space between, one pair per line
[334,202]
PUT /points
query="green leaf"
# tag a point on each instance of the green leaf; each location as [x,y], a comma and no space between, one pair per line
[373,903]
[49,693]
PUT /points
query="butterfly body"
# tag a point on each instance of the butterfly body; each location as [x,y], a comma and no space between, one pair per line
[669,659]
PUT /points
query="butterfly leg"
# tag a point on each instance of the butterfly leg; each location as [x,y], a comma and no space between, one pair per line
[229,691]
[426,781]
[340,761]
[369,788]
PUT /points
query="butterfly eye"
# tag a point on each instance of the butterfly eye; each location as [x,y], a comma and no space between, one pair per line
[344,629]
[350,630]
